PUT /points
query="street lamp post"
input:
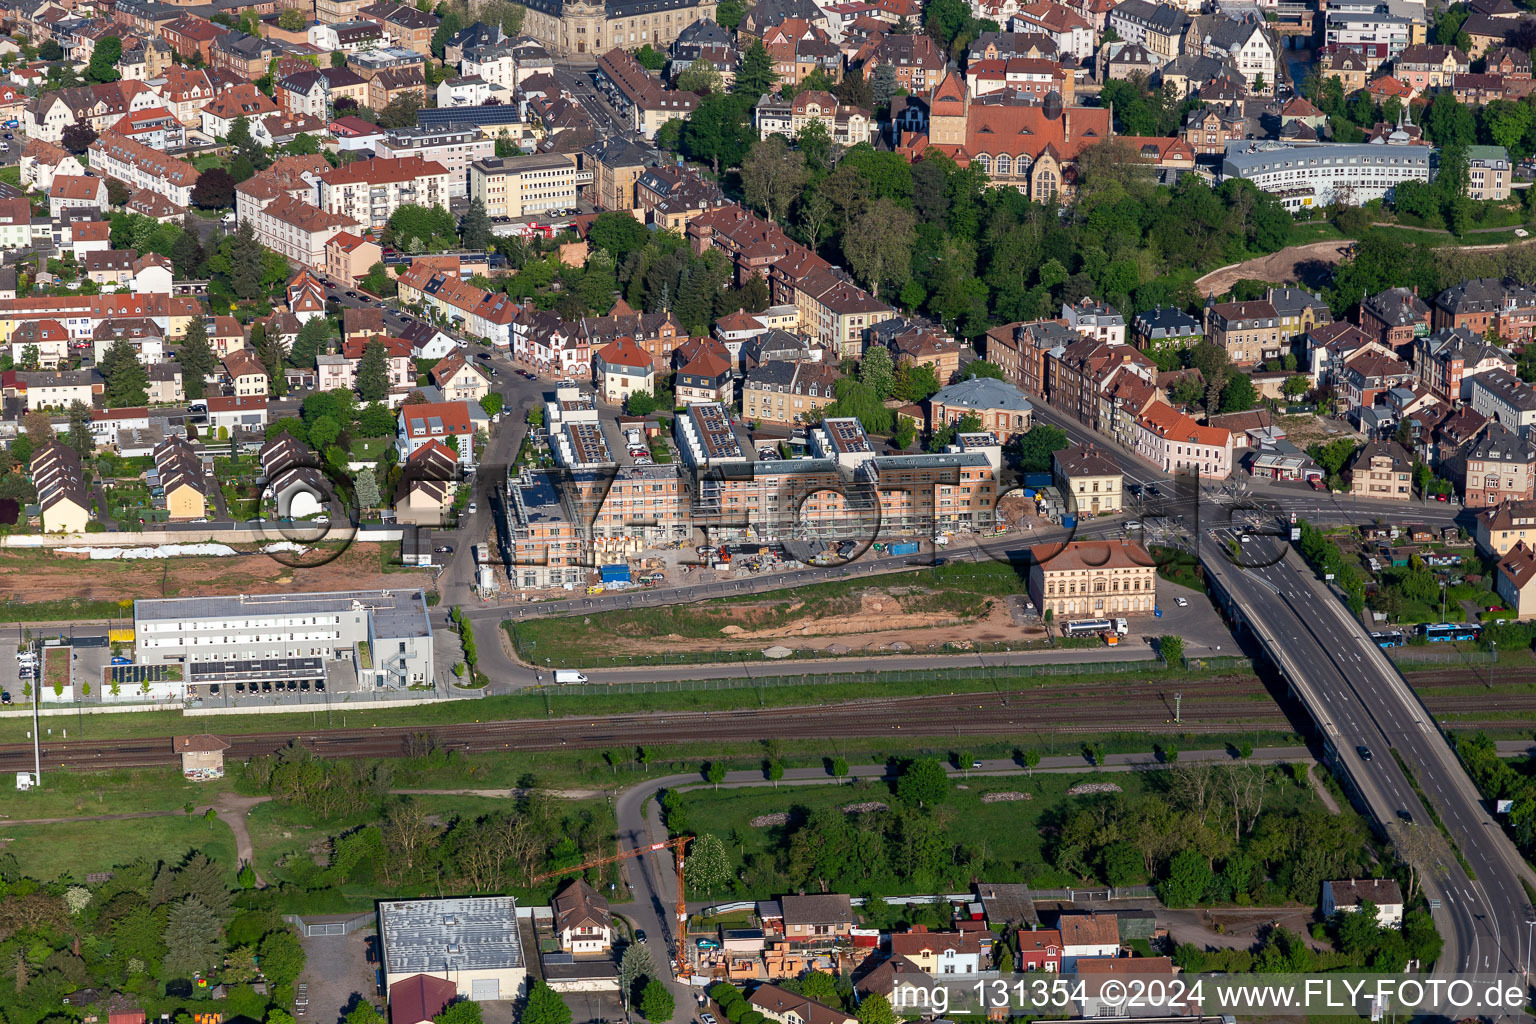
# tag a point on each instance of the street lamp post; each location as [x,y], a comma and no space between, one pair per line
[1528,926]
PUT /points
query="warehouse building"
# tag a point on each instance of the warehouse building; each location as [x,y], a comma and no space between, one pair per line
[472,942]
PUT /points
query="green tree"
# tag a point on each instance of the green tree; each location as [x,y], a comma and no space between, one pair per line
[127,383]
[714,773]
[291,19]
[367,488]
[373,372]
[755,76]
[651,58]
[104,57]
[50,51]
[634,965]
[191,939]
[492,402]
[282,957]
[981,368]
[875,1008]
[449,27]
[1189,879]
[879,246]
[839,767]
[79,435]
[656,1003]
[462,1011]
[1037,446]
[922,783]
[1122,863]
[475,228]
[773,175]
[700,77]
[1238,395]
[312,339]
[1170,647]
[245,262]
[877,372]
[545,1006]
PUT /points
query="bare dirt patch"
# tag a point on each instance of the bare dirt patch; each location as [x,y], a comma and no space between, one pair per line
[878,622]
[37,576]
[1309,429]
[1288,266]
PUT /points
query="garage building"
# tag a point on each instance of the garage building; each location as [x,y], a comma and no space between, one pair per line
[473,942]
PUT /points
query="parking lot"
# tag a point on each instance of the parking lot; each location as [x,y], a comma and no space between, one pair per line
[338,975]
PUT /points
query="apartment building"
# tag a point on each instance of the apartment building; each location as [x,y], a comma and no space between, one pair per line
[453,148]
[526,186]
[139,167]
[1382,470]
[1248,331]
[1500,468]
[1505,399]
[384,634]
[62,499]
[298,230]
[787,393]
[638,97]
[370,191]
[1174,443]
[1091,476]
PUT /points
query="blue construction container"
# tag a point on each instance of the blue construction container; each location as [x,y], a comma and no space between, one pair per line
[615,573]
[908,548]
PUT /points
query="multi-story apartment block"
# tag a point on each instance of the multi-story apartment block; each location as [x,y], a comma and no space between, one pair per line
[1166,328]
[1447,360]
[138,166]
[1483,303]
[1307,175]
[639,98]
[1248,331]
[787,394]
[1505,400]
[297,229]
[370,191]
[1488,173]
[1092,477]
[847,125]
[522,186]
[454,148]
[1500,468]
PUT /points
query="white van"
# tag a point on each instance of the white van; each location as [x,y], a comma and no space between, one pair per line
[568,675]
[1122,627]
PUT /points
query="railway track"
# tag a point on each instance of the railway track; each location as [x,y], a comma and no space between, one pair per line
[1207,706]
[1140,707]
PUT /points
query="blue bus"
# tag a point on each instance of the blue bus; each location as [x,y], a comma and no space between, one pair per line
[1443,632]
[1391,638]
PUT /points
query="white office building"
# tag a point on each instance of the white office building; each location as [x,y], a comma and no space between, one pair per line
[1308,175]
[382,636]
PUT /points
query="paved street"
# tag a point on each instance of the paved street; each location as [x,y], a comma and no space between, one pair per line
[1366,711]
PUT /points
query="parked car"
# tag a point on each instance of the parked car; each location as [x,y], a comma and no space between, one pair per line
[1182,602]
[5,696]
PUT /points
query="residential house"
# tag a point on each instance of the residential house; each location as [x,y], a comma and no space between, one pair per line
[1483,303]
[621,368]
[818,918]
[368,192]
[784,1007]
[1447,360]
[1499,528]
[459,379]
[1395,317]
[1039,950]
[1091,476]
[1165,328]
[62,500]
[939,953]
[69,192]
[704,373]
[582,920]
[181,480]
[1505,399]
[449,423]
[1348,896]
[1382,470]
[1094,319]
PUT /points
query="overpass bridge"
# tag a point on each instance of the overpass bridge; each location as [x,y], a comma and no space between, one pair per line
[1375,732]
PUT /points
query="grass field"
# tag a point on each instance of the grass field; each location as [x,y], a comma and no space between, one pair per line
[80,847]
[1178,566]
[952,589]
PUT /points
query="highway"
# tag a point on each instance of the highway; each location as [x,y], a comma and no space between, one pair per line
[1365,710]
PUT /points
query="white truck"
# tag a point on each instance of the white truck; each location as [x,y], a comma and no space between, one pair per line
[568,675]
